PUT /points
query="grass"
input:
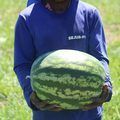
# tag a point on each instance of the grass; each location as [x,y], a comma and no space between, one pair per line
[110,13]
[12,104]
[112,109]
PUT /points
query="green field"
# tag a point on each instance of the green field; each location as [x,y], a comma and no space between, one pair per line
[12,104]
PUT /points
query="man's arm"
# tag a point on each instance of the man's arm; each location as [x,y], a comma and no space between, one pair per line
[24,55]
[97,46]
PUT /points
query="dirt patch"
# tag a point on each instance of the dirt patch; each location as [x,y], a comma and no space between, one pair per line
[3,103]
[112,32]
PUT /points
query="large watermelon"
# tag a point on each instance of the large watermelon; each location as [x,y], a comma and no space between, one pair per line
[68,78]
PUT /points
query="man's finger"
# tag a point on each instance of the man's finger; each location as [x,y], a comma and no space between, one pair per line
[57,109]
[42,104]
[103,96]
[91,106]
[105,88]
[49,107]
[37,102]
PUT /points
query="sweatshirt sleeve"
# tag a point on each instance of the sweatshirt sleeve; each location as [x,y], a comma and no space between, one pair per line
[31,2]
[24,54]
[97,46]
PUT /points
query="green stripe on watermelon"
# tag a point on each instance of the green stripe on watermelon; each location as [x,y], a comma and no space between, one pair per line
[61,71]
[68,76]
[66,103]
[72,67]
[82,90]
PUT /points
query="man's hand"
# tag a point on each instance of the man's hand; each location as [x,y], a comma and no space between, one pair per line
[98,101]
[43,105]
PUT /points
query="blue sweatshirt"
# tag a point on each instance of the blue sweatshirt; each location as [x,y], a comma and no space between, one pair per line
[39,30]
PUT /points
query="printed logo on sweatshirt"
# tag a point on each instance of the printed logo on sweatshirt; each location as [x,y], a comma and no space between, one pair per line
[76,37]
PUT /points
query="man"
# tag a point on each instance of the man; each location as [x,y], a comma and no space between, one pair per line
[59,24]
